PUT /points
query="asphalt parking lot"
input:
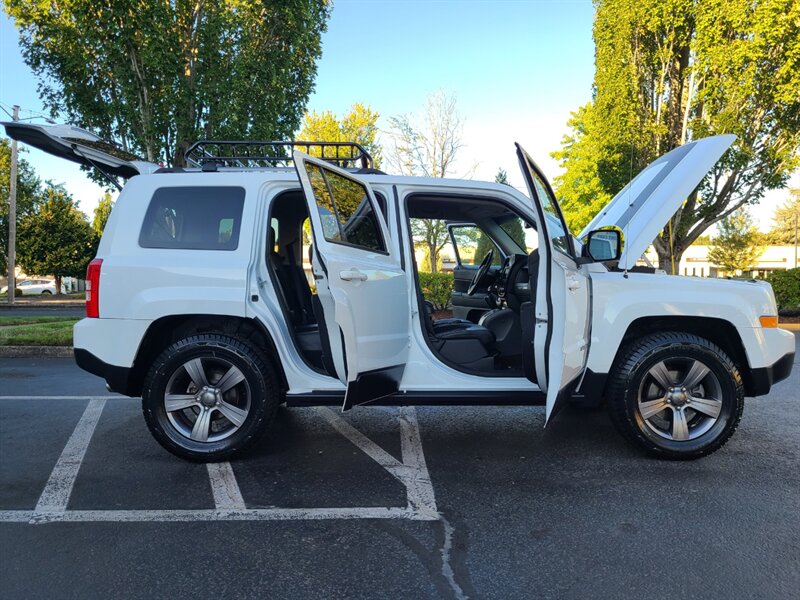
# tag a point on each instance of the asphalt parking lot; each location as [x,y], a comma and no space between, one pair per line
[387,503]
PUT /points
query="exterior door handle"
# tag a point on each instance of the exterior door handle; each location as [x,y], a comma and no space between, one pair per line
[353,275]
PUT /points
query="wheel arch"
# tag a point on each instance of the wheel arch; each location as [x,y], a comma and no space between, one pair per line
[166,330]
[717,331]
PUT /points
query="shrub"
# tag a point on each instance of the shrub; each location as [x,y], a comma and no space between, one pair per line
[786,285]
[437,287]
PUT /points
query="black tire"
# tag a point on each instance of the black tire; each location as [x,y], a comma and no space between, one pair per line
[47,293]
[631,378]
[260,385]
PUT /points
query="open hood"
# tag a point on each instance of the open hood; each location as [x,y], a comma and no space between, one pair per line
[80,146]
[644,206]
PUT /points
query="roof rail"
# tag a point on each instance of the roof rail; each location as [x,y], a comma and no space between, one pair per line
[255,154]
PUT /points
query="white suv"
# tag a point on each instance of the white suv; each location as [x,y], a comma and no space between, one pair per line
[198,301]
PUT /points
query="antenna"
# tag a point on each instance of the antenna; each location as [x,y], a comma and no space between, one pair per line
[630,203]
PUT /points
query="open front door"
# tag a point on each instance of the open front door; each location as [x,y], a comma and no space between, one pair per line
[561,298]
[360,284]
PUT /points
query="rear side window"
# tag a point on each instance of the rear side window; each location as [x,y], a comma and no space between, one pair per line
[193,218]
[345,210]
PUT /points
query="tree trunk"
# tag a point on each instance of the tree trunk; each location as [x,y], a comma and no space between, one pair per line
[433,256]
[665,259]
[58,284]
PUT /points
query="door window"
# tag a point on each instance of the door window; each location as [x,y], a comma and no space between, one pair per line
[345,210]
[556,227]
[472,244]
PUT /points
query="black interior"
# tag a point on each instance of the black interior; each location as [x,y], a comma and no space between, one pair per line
[301,307]
[492,343]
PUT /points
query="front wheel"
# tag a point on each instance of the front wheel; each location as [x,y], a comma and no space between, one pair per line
[676,395]
[208,397]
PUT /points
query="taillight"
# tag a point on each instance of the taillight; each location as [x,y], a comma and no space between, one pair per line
[93,288]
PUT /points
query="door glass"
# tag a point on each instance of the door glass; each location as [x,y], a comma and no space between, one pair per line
[345,210]
[472,244]
[522,232]
[556,227]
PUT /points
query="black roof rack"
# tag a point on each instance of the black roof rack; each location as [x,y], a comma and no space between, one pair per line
[257,154]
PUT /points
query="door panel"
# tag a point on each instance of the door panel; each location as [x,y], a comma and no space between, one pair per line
[360,284]
[562,300]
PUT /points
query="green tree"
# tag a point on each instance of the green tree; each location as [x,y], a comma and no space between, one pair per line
[101,213]
[672,71]
[160,75]
[735,249]
[785,219]
[359,125]
[56,239]
[501,177]
[28,195]
[428,147]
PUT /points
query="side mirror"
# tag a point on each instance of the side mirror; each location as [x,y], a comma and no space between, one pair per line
[602,245]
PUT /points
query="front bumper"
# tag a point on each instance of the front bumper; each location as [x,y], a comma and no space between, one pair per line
[761,379]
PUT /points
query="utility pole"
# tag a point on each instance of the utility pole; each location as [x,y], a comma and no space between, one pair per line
[12,217]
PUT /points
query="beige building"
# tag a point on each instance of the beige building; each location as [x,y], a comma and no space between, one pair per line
[694,262]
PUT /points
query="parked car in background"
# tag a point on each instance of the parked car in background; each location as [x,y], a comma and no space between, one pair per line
[34,287]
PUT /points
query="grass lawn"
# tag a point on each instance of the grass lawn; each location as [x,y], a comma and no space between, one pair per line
[36,331]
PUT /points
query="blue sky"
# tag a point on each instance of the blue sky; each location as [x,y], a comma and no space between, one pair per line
[518,68]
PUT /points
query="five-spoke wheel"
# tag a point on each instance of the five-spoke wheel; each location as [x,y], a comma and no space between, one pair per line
[209,396]
[675,394]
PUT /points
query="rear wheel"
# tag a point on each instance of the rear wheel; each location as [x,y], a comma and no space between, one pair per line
[209,397]
[47,293]
[675,395]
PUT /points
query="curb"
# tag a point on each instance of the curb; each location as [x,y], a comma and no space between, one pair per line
[35,351]
[789,326]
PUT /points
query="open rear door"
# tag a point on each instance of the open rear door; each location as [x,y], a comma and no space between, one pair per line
[360,284]
[562,296]
[80,146]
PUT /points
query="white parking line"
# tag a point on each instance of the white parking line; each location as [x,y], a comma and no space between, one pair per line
[413,476]
[116,397]
[178,515]
[55,496]
[227,495]
[229,504]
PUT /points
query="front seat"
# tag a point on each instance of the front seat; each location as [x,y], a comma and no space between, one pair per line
[464,343]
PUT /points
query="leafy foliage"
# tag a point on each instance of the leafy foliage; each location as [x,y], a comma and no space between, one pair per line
[160,75]
[101,213]
[56,239]
[28,195]
[785,220]
[786,285]
[736,247]
[436,288]
[359,125]
[672,71]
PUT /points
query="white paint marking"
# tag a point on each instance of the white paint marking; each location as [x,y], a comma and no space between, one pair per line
[421,488]
[55,497]
[116,397]
[405,474]
[227,495]
[250,514]
[447,569]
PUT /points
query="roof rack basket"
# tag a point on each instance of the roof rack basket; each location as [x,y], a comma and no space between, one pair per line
[257,154]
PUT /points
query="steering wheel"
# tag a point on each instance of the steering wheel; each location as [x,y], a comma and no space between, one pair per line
[482,270]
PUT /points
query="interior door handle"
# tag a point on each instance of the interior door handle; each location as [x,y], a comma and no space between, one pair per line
[353,275]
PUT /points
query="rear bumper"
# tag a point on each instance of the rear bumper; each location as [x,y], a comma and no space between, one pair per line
[117,378]
[762,378]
